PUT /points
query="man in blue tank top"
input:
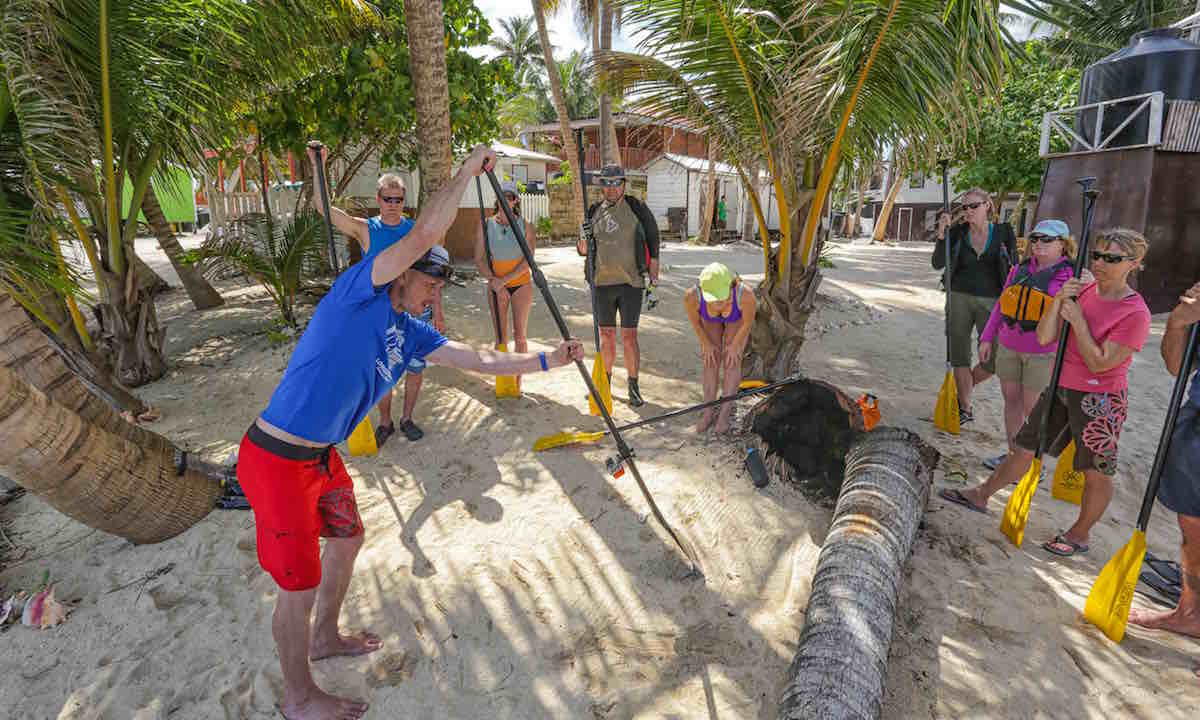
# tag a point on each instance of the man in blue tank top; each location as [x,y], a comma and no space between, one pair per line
[362,337]
[374,235]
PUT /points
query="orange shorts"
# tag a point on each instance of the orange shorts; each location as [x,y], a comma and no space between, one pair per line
[299,494]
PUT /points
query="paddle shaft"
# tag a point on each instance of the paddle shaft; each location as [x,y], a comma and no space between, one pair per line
[1089,208]
[589,264]
[1164,440]
[323,190]
[949,265]
[622,449]
[492,299]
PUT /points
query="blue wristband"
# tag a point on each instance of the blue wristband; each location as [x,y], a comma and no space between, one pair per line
[542,358]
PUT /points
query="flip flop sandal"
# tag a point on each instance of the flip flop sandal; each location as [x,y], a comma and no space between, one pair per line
[383,432]
[1167,569]
[1170,592]
[958,498]
[411,431]
[1060,539]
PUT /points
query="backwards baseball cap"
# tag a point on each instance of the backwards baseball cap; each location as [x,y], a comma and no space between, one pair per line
[716,282]
[435,263]
[611,175]
[1052,228]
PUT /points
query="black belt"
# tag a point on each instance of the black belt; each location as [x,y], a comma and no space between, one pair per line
[285,449]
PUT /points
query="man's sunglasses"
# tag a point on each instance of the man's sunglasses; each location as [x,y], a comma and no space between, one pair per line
[610,182]
[1040,238]
[1110,258]
[972,206]
[392,199]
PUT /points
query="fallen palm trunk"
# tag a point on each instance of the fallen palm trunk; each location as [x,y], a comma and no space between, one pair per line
[841,663]
[102,479]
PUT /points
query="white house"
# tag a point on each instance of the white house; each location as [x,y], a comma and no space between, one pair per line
[914,213]
[677,181]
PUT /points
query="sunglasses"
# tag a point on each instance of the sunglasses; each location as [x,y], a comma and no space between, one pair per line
[391,199]
[1110,258]
[610,182]
[972,206]
[1040,238]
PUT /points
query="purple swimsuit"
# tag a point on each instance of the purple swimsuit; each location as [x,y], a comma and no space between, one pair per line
[734,315]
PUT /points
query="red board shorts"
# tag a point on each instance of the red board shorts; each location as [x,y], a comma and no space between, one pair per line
[298,494]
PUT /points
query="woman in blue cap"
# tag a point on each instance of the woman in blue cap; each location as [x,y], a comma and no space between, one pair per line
[1023,365]
[721,309]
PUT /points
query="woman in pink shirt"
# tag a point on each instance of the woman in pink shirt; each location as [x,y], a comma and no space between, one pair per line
[1109,323]
[1023,365]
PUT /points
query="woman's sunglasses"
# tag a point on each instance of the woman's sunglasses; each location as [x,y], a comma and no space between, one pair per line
[392,199]
[1110,258]
[972,206]
[1039,238]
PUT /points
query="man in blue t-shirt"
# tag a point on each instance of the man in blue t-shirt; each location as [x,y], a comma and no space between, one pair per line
[1179,486]
[363,336]
[374,235]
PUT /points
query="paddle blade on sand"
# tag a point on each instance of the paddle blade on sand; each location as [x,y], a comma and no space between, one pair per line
[1068,482]
[600,380]
[1108,603]
[546,442]
[1017,510]
[362,440]
[945,415]
[507,386]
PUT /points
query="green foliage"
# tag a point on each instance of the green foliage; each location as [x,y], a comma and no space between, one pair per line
[518,43]
[1001,153]
[366,97]
[579,90]
[544,226]
[278,256]
[564,177]
[1087,30]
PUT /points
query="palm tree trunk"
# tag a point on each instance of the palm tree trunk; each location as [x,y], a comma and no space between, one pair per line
[201,293]
[431,94]
[147,279]
[93,475]
[560,107]
[609,152]
[70,378]
[841,662]
[130,331]
[708,198]
[885,212]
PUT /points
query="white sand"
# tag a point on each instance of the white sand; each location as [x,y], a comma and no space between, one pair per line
[509,584]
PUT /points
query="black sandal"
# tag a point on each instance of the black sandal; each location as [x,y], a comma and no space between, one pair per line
[382,433]
[411,431]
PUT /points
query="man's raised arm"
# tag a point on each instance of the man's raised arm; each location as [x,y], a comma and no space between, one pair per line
[435,218]
[346,224]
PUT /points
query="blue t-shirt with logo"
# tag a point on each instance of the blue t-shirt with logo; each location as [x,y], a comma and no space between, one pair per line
[355,349]
[383,236]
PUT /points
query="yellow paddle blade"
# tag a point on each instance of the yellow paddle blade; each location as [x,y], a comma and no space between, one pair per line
[751,384]
[1016,512]
[546,442]
[1068,482]
[507,386]
[1107,605]
[362,440]
[945,415]
[600,380]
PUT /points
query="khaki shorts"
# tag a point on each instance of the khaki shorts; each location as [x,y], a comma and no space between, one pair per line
[1031,370]
[967,313]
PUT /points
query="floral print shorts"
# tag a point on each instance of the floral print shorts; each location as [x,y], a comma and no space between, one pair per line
[1092,419]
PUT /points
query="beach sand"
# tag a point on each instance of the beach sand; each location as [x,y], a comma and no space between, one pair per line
[509,584]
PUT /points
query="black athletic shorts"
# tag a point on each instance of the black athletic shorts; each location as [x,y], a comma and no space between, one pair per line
[626,298]
[1179,489]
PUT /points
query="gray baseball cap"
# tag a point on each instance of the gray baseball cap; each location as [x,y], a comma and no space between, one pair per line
[435,262]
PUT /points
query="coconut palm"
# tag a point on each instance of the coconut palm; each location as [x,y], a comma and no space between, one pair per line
[791,85]
[425,23]
[570,149]
[518,41]
[1087,30]
[579,92]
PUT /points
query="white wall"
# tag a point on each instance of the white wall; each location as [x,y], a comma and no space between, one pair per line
[665,183]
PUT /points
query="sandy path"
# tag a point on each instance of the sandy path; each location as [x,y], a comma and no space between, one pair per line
[513,585]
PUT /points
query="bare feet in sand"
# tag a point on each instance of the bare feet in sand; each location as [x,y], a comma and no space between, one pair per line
[357,644]
[320,705]
[706,421]
[722,425]
[1176,621]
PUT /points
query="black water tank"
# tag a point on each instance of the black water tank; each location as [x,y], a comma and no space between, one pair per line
[1154,60]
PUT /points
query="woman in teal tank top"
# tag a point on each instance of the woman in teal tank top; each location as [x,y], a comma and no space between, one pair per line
[499,260]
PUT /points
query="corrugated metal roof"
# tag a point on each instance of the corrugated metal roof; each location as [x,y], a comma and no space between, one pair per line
[696,164]
[520,152]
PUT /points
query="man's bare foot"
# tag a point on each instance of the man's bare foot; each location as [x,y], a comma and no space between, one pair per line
[357,644]
[323,706]
[1176,621]
[706,421]
[722,425]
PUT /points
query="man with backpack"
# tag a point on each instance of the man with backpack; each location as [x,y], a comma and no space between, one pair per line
[624,253]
